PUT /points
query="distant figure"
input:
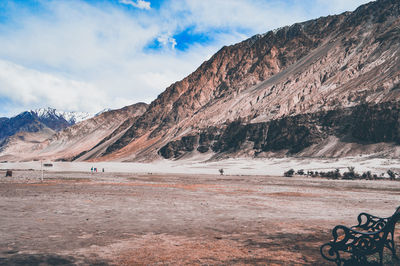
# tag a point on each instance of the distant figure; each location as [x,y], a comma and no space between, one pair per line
[95,169]
[103,170]
[221,171]
[8,173]
[91,169]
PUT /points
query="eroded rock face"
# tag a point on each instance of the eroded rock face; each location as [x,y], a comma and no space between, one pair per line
[330,63]
[361,124]
[176,148]
[229,71]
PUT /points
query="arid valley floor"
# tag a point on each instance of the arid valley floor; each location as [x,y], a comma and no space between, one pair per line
[79,218]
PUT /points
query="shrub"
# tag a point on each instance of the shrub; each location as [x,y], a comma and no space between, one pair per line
[337,174]
[366,175]
[300,172]
[391,174]
[331,174]
[350,174]
[289,173]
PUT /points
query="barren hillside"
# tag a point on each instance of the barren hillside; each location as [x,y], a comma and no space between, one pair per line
[72,141]
[329,64]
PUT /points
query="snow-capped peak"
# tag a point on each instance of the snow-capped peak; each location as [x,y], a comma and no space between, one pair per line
[70,117]
[103,111]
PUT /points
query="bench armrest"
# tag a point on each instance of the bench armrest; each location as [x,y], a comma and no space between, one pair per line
[370,222]
[345,238]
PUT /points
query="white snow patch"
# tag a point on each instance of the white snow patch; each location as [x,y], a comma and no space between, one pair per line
[71,117]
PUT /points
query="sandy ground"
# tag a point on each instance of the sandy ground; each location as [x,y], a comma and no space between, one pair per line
[234,166]
[79,218]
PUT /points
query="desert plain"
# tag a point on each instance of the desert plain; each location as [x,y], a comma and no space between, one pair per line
[75,217]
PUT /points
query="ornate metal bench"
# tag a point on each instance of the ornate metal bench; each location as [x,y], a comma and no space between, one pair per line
[371,235]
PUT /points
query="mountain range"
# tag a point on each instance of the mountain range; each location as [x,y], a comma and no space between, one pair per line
[39,120]
[328,87]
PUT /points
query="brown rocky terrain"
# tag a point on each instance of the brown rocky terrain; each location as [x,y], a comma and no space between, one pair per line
[363,124]
[307,72]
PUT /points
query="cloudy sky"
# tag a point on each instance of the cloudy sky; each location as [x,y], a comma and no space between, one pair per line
[87,55]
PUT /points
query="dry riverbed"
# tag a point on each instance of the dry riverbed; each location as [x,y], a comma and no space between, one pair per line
[77,218]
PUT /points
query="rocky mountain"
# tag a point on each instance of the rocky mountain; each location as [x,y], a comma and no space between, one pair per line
[71,117]
[41,119]
[325,87]
[275,93]
[72,140]
[30,121]
[362,129]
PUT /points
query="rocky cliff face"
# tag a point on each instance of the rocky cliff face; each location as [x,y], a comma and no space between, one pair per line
[229,72]
[285,76]
[363,124]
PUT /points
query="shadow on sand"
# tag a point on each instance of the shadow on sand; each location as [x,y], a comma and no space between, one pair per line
[46,259]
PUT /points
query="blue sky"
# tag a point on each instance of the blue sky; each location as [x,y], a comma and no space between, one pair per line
[87,55]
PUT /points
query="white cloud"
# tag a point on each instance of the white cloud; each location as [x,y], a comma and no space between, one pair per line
[74,51]
[259,16]
[337,6]
[141,4]
[32,88]
[82,46]
[167,40]
[256,16]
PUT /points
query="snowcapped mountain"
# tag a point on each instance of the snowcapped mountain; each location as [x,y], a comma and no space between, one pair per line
[48,133]
[71,117]
[102,111]
[40,120]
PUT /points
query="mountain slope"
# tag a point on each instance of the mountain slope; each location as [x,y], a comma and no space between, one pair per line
[40,119]
[331,63]
[72,141]
[28,122]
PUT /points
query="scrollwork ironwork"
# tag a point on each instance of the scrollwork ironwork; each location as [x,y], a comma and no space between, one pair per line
[370,236]
[328,252]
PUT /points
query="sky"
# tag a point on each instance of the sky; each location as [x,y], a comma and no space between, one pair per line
[88,55]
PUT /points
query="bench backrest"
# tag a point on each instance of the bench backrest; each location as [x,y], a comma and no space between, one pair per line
[397,210]
[391,223]
[396,215]
[384,227]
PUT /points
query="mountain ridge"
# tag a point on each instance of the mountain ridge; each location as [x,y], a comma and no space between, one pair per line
[328,63]
[71,117]
[65,144]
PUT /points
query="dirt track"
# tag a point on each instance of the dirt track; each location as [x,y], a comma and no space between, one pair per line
[128,219]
